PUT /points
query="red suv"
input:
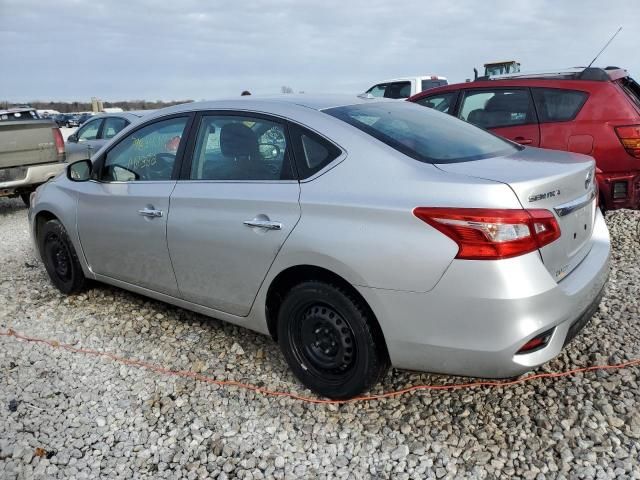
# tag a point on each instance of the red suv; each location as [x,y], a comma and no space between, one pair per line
[588,110]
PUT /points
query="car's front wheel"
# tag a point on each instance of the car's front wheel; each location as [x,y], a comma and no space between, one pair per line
[326,335]
[60,258]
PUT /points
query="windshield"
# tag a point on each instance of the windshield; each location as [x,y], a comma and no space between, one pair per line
[422,133]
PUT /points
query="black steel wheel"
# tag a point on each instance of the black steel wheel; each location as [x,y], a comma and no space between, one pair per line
[327,337]
[60,258]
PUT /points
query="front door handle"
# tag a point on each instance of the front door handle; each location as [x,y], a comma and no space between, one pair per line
[523,141]
[266,224]
[150,212]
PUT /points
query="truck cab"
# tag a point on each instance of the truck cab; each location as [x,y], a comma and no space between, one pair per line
[404,87]
[31,152]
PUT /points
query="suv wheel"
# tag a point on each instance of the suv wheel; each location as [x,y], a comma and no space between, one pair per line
[60,258]
[326,337]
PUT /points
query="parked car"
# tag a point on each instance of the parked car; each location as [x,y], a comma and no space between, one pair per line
[358,233]
[592,111]
[61,119]
[400,88]
[83,118]
[31,152]
[97,131]
[73,121]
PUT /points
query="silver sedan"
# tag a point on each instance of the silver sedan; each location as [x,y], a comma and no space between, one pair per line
[359,233]
[97,131]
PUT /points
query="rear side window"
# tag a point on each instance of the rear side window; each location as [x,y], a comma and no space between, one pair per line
[497,108]
[632,89]
[555,105]
[421,133]
[443,102]
[21,115]
[312,152]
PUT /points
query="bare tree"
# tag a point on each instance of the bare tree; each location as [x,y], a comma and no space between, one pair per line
[285,89]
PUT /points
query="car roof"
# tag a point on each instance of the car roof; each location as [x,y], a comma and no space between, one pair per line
[266,103]
[417,77]
[128,114]
[569,79]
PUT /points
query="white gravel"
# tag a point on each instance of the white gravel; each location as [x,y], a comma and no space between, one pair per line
[65,415]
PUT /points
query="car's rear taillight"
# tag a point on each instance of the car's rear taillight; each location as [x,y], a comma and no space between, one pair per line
[630,138]
[57,136]
[490,234]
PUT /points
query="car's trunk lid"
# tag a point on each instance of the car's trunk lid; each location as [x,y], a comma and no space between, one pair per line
[557,181]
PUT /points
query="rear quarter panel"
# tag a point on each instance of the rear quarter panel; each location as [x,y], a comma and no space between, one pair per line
[357,220]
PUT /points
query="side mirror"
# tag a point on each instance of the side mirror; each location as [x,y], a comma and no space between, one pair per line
[80,171]
[73,138]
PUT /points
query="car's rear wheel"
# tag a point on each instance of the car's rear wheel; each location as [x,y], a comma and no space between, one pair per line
[328,339]
[60,258]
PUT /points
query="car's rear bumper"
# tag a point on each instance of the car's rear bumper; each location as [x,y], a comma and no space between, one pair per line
[34,176]
[481,313]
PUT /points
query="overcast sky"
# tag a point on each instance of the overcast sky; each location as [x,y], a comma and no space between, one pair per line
[162,49]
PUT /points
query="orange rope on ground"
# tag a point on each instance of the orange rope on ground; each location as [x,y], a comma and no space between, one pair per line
[265,391]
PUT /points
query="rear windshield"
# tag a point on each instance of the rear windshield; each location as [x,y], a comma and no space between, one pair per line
[427,84]
[422,133]
[21,115]
[632,89]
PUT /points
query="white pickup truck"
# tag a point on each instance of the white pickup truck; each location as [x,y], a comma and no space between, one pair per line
[31,152]
[405,87]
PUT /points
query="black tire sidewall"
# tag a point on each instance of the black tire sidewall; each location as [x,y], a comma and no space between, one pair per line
[26,198]
[77,279]
[367,362]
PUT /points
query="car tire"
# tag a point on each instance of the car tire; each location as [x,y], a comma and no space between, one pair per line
[326,335]
[26,198]
[60,258]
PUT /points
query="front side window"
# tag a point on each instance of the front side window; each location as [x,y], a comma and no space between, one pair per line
[555,105]
[377,90]
[112,126]
[89,131]
[497,108]
[443,102]
[240,148]
[421,133]
[391,90]
[147,154]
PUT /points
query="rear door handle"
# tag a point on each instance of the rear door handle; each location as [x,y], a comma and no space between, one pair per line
[266,224]
[150,212]
[523,141]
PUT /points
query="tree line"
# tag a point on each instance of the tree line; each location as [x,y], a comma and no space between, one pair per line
[69,107]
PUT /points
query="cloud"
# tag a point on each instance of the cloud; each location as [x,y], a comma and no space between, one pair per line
[75,49]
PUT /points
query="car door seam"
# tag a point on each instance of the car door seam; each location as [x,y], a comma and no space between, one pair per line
[166,239]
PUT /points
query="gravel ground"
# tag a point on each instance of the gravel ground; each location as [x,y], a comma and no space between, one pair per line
[66,415]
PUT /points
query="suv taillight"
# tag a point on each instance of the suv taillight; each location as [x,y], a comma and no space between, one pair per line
[630,138]
[492,234]
[57,136]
